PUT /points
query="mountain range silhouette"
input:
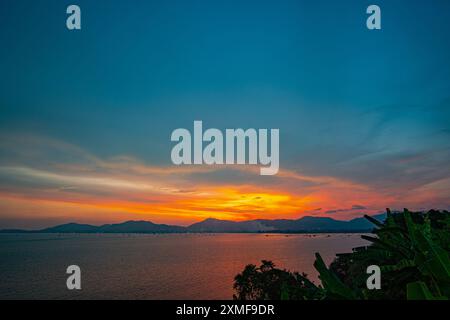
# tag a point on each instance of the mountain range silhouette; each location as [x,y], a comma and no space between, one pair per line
[303,225]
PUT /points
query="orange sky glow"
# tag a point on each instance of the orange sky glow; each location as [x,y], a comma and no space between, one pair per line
[97,191]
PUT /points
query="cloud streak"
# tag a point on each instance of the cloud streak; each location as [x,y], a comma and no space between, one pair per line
[83,187]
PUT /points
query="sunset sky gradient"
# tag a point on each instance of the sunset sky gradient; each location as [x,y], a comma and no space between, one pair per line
[86,116]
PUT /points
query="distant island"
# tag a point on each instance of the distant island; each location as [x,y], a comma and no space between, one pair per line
[306,224]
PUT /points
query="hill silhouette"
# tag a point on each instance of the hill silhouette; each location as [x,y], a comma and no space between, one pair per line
[304,225]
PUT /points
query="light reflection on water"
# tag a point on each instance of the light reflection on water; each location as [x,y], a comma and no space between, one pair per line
[152,266]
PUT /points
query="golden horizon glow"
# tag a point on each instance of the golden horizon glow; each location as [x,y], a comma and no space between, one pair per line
[93,190]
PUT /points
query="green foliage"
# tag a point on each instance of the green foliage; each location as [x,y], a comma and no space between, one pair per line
[269,283]
[411,248]
[419,291]
[333,286]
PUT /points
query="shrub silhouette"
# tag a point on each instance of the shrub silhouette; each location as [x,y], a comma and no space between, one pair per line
[269,283]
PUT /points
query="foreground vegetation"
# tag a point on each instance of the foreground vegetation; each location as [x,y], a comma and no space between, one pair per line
[411,249]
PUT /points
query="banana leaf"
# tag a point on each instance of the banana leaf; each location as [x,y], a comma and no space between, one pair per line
[405,263]
[419,291]
[331,282]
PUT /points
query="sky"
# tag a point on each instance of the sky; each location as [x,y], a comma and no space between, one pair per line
[86,115]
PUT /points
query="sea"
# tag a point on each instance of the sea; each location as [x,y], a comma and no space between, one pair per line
[153,266]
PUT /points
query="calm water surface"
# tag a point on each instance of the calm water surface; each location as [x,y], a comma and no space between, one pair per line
[161,266]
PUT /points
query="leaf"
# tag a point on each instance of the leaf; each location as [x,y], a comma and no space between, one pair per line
[385,245]
[438,263]
[389,221]
[331,282]
[284,292]
[374,221]
[404,263]
[419,291]
[433,259]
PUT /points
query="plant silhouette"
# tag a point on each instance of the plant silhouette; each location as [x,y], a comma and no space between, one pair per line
[411,248]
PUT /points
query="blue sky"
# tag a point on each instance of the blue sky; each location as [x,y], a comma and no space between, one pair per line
[369,107]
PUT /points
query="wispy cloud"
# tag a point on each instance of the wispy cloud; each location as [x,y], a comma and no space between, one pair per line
[98,189]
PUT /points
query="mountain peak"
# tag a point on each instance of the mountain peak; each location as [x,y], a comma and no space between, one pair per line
[304,224]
